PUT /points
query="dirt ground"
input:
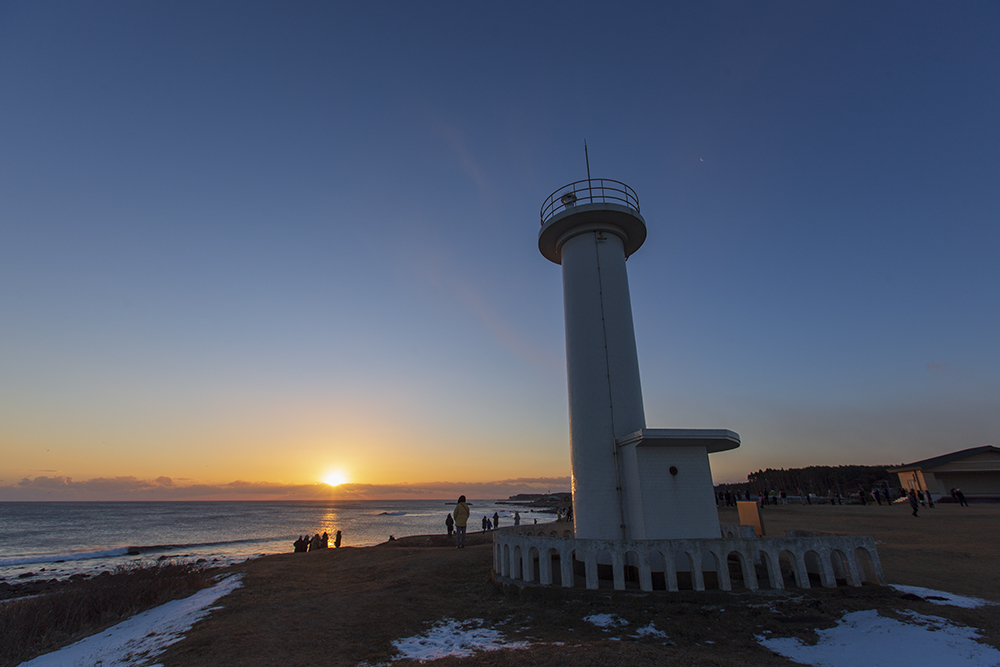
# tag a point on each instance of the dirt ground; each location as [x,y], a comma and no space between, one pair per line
[346,606]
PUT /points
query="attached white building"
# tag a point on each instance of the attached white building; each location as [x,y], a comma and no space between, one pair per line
[975,471]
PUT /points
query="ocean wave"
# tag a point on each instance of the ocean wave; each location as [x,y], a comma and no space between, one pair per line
[55,558]
[391,514]
[154,548]
[117,552]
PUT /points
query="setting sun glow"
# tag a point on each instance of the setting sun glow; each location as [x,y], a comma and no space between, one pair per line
[335,478]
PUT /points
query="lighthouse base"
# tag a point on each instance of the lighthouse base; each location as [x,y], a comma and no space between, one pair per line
[548,555]
[667,482]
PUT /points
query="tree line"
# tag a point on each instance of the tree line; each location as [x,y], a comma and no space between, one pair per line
[819,480]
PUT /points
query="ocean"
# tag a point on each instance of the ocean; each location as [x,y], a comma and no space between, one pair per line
[55,540]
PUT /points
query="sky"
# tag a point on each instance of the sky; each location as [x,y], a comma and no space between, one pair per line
[247,247]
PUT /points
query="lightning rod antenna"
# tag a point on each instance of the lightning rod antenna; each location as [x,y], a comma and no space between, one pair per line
[586,156]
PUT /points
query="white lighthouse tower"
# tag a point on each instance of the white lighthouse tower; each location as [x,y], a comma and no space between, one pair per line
[629,482]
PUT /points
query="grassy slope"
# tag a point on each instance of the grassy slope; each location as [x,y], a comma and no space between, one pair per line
[345,606]
[71,611]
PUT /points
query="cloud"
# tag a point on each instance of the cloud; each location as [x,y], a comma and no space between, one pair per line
[164,488]
[463,156]
[45,482]
[95,485]
[937,365]
[437,270]
[501,331]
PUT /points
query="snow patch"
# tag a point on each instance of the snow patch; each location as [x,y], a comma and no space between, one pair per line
[135,641]
[605,621]
[940,597]
[879,640]
[650,631]
[451,638]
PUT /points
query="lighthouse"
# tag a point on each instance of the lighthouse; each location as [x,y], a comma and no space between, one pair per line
[630,482]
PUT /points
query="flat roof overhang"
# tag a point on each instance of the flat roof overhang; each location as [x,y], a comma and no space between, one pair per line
[713,440]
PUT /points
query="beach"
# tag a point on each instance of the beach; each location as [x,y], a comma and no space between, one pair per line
[367,606]
[46,541]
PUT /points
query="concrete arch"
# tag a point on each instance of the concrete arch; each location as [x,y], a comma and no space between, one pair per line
[813,567]
[591,574]
[570,569]
[770,570]
[532,565]
[737,566]
[793,573]
[689,564]
[632,567]
[683,571]
[841,568]
[657,570]
[713,575]
[609,570]
[549,570]
[867,574]
[819,568]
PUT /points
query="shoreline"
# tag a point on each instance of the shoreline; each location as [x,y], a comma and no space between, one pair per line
[351,605]
[37,584]
[89,538]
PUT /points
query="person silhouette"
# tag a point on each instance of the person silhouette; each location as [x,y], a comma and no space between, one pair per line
[461,515]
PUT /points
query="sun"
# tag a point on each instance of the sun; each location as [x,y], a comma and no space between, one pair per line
[335,478]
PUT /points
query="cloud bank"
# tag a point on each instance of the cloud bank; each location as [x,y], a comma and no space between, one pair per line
[165,488]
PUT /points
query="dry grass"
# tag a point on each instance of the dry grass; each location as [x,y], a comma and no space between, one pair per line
[344,607]
[31,626]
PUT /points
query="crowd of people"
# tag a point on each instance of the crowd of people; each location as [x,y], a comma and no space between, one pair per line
[458,524]
[878,495]
[316,542]
[917,498]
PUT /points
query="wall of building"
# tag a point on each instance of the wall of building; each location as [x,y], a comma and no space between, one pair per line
[978,476]
[674,506]
[605,395]
[972,484]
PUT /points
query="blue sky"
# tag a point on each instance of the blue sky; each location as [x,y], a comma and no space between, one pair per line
[263,241]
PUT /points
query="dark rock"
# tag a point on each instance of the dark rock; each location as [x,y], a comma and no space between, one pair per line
[25,575]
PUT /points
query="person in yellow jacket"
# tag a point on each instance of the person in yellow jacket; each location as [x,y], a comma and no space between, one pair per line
[461,515]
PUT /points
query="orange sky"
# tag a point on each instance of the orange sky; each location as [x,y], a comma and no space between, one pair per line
[241,268]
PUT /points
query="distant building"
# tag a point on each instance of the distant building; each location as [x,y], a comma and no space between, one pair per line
[975,471]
